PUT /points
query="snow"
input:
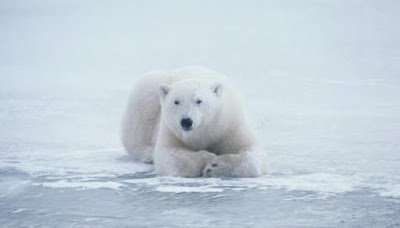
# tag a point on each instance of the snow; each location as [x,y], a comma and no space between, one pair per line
[19,210]
[180,189]
[321,79]
[82,184]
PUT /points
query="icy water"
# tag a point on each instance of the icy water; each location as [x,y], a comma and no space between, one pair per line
[322,83]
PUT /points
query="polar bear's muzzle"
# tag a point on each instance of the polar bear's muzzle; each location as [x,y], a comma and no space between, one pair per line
[187,124]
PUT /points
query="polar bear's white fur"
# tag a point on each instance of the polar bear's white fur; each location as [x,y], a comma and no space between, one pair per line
[192,122]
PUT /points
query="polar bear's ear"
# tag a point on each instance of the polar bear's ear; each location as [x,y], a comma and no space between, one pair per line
[164,90]
[217,88]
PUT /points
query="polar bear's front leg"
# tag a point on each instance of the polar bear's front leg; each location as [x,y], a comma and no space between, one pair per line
[246,164]
[172,158]
[181,162]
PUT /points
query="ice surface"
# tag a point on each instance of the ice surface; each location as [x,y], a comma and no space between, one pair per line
[321,78]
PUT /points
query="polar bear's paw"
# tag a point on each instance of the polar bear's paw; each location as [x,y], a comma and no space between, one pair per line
[220,166]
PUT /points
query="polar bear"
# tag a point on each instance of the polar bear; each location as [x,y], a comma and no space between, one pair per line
[191,122]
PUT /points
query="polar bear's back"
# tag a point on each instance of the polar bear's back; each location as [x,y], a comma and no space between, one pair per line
[152,80]
[196,72]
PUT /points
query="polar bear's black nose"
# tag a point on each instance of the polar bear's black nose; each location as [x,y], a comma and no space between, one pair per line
[186,123]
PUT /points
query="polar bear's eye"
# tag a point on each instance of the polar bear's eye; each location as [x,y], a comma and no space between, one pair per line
[176,102]
[199,101]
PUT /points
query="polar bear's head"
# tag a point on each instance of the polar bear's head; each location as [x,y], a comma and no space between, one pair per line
[190,105]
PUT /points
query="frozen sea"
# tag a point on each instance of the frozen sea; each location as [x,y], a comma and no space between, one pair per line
[322,80]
